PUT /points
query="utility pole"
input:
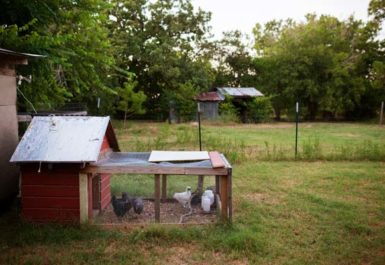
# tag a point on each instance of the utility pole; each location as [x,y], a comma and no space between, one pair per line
[382,113]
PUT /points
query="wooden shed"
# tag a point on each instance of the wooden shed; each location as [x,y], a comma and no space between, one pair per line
[51,154]
[209,104]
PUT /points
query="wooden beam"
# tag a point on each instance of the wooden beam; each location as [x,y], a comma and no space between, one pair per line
[153,170]
[230,193]
[157,198]
[164,188]
[224,197]
[216,160]
[83,197]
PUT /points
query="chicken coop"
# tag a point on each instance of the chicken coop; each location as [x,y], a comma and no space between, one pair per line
[66,164]
[51,154]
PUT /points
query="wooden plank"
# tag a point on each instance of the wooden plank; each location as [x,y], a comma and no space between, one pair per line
[224,197]
[83,195]
[230,193]
[57,179]
[50,202]
[216,160]
[106,200]
[49,191]
[164,156]
[164,188]
[157,198]
[94,169]
[52,215]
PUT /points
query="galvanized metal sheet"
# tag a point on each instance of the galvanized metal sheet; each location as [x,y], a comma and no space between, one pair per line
[240,91]
[62,139]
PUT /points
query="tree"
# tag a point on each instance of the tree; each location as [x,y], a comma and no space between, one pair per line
[130,102]
[73,36]
[318,63]
[235,62]
[163,43]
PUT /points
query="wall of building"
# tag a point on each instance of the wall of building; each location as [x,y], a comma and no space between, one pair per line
[209,110]
[9,173]
[51,195]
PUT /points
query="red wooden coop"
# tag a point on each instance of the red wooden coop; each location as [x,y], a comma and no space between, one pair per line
[51,154]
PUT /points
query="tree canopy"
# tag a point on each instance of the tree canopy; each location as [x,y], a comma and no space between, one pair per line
[141,56]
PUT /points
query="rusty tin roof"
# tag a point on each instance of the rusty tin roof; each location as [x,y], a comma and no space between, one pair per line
[68,139]
[210,96]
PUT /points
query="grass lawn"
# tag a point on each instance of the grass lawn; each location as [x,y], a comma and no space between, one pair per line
[285,212]
[275,141]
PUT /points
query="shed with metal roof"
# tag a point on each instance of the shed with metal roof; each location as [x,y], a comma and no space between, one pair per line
[51,154]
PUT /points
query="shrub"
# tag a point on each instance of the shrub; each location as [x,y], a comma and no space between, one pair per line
[259,110]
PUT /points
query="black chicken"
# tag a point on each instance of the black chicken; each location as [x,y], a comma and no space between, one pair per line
[137,204]
[121,206]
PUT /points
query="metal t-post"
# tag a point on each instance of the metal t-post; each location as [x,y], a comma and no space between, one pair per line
[199,126]
[296,128]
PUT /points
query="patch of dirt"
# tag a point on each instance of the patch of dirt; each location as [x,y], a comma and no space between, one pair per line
[170,212]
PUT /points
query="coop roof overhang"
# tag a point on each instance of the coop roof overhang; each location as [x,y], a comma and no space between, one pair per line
[59,139]
[137,163]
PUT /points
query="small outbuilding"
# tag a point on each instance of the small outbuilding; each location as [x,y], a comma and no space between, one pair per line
[209,101]
[51,154]
[209,104]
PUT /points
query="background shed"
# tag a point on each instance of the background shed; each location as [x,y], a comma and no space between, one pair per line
[51,153]
[209,104]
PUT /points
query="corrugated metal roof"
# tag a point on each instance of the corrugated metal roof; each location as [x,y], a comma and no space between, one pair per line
[240,92]
[9,52]
[64,139]
[210,96]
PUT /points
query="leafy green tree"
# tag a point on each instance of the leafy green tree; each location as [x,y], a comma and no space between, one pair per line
[318,63]
[73,36]
[163,42]
[130,102]
[235,62]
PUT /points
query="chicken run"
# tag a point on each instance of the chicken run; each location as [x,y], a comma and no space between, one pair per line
[185,207]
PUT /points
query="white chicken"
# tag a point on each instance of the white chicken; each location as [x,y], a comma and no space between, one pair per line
[184,198]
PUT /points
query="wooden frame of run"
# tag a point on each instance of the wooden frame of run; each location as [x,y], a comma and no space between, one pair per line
[223,182]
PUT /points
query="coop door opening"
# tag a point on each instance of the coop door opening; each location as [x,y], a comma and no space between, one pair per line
[96,193]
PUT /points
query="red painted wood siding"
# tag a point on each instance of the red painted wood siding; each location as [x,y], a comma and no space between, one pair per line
[105,194]
[51,195]
[105,190]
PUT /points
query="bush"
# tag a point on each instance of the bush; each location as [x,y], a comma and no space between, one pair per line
[259,110]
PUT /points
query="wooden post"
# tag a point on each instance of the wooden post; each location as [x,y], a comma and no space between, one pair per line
[224,196]
[230,193]
[217,184]
[382,113]
[164,188]
[200,184]
[157,198]
[83,198]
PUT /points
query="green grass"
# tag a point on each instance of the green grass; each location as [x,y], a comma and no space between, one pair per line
[268,142]
[285,211]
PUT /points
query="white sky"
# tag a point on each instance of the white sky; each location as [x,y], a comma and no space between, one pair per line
[244,14]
